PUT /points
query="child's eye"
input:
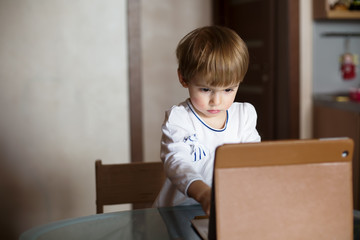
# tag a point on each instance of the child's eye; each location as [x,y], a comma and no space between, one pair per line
[205,89]
[229,90]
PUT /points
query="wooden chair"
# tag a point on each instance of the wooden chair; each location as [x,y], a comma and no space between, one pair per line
[136,183]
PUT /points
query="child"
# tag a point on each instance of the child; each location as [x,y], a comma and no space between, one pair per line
[212,62]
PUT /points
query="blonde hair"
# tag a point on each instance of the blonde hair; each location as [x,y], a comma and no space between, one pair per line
[216,54]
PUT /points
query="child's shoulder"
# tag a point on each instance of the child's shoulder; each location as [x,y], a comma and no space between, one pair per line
[180,108]
[178,113]
[242,108]
[243,112]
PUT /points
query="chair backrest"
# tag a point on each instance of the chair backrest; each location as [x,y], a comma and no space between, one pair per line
[136,183]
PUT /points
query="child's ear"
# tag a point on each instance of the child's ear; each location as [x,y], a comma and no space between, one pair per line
[181,79]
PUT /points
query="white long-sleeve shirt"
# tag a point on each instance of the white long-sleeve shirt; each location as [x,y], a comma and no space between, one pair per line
[188,147]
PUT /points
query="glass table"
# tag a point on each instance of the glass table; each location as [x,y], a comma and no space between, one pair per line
[152,223]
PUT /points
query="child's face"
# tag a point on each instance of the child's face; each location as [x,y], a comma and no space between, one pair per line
[209,102]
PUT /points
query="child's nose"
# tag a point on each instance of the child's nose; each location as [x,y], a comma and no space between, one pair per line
[215,99]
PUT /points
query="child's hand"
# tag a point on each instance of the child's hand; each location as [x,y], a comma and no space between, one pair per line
[205,201]
[201,192]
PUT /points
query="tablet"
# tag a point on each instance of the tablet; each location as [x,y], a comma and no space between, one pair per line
[294,189]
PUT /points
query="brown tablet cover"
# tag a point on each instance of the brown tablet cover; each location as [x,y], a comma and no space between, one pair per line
[296,189]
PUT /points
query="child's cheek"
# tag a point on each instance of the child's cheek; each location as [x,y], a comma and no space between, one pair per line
[198,102]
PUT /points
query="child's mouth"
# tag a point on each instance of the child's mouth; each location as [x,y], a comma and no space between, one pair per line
[213,111]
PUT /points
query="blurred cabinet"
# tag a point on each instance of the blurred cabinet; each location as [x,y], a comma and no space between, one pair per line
[333,121]
[321,10]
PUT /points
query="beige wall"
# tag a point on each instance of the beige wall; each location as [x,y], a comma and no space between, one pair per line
[63,104]
[163,24]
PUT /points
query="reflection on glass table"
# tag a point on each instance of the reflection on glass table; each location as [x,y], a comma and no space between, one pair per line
[151,223]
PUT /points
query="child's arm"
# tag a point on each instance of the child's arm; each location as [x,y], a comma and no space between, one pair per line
[201,192]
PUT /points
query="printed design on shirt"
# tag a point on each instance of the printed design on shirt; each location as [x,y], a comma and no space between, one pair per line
[198,151]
